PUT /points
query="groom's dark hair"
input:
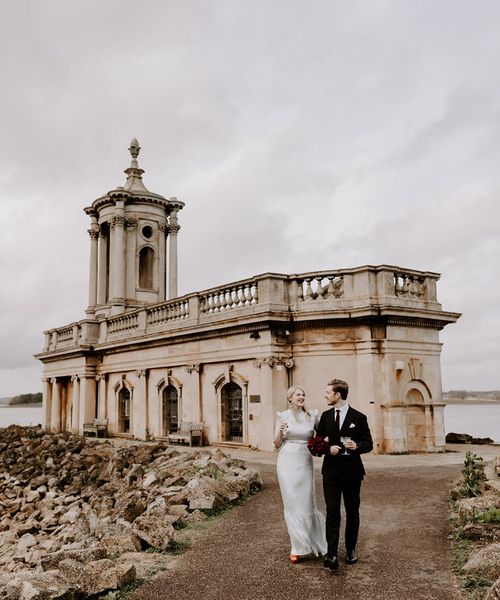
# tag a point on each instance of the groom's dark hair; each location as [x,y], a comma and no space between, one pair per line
[340,386]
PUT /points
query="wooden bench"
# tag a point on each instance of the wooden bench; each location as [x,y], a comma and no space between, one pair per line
[187,432]
[96,427]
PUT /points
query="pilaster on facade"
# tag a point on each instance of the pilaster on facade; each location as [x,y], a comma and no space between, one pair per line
[141,406]
[75,403]
[55,413]
[102,404]
[46,403]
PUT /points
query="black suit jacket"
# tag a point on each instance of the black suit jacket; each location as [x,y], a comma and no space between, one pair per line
[355,426]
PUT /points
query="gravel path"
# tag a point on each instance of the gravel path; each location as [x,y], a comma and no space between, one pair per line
[403,547]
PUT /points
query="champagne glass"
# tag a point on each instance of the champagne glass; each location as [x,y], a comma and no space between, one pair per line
[344,440]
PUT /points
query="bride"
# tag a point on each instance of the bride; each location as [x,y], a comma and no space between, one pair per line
[305,524]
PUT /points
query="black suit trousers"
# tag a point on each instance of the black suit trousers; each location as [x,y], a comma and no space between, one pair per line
[334,488]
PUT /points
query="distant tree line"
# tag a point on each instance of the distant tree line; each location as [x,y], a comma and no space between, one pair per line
[27,399]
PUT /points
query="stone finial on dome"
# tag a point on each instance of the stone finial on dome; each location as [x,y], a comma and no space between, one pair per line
[134,148]
[134,172]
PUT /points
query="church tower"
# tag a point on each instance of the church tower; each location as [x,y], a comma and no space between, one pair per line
[133,246]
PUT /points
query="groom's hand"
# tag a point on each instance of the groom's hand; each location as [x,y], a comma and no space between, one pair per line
[334,450]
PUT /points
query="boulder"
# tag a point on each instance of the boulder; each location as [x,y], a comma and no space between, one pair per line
[98,576]
[119,538]
[39,586]
[155,530]
[458,438]
[196,516]
[484,563]
[489,532]
[83,555]
[469,508]
[26,541]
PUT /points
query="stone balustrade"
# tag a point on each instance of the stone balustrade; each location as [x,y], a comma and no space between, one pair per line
[325,292]
[167,312]
[236,295]
[123,324]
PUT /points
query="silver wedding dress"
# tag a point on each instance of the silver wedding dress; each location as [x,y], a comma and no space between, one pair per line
[305,524]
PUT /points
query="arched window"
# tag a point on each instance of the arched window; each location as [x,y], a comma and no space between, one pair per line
[232,412]
[146,260]
[124,410]
[170,409]
[414,397]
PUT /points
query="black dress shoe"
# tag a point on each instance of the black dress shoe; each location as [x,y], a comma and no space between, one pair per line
[331,563]
[350,557]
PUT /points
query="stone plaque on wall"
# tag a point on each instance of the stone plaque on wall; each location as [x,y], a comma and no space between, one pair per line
[254,399]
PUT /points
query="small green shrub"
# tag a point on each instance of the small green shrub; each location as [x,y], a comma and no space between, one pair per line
[473,583]
[472,483]
[492,515]
[177,547]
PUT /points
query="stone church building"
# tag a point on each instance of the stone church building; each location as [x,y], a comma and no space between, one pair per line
[145,358]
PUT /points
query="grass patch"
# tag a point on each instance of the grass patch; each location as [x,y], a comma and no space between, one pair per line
[492,515]
[473,583]
[460,551]
[125,591]
[176,547]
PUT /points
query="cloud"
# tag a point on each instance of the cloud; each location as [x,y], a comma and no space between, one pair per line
[300,138]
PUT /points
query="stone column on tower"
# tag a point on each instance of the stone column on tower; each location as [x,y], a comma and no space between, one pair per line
[162,284]
[94,240]
[103,275]
[118,254]
[173,230]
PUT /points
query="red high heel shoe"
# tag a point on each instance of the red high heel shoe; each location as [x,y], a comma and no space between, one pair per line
[294,559]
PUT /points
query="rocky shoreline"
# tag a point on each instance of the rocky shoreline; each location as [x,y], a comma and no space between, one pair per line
[78,514]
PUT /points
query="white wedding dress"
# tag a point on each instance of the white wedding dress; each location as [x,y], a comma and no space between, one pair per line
[305,524]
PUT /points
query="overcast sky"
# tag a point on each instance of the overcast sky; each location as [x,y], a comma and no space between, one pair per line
[301,135]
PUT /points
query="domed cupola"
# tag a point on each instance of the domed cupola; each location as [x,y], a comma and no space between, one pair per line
[131,229]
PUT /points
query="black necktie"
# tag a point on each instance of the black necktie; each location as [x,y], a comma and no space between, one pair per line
[337,417]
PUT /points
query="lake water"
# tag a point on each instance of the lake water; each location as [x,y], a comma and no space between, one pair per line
[478,420]
[20,415]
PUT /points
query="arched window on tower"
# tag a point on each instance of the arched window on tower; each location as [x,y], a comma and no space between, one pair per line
[146,261]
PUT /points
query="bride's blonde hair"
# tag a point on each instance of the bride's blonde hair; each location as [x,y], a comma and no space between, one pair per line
[290,392]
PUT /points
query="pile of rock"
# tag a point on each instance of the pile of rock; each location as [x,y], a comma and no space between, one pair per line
[484,562]
[465,438]
[70,506]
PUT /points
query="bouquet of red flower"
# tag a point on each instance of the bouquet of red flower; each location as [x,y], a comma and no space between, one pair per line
[317,446]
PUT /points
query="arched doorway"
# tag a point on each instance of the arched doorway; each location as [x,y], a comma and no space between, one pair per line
[416,426]
[170,409]
[232,413]
[124,410]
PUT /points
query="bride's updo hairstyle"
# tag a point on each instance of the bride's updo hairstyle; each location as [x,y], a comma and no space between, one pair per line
[290,392]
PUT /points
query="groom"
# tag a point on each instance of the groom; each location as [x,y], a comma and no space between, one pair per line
[342,474]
